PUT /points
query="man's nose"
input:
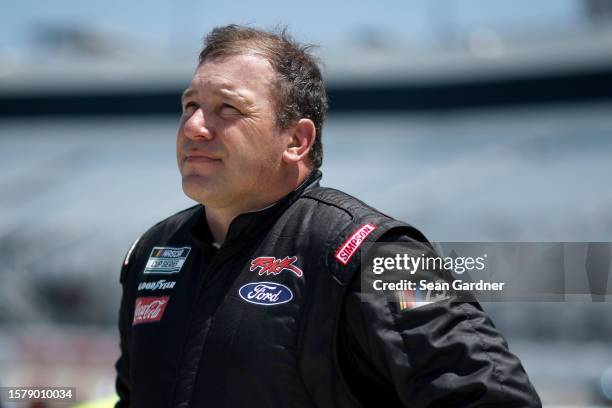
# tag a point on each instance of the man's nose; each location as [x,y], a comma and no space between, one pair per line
[197,126]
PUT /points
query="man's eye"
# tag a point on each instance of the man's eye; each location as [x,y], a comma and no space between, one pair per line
[190,106]
[229,108]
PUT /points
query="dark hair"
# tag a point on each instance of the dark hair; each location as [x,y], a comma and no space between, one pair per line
[300,89]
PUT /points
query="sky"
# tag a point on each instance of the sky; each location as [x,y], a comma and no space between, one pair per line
[180,24]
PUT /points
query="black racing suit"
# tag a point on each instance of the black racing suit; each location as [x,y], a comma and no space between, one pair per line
[275,317]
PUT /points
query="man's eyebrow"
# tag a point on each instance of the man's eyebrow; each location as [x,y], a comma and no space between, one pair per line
[187,93]
[235,96]
[223,92]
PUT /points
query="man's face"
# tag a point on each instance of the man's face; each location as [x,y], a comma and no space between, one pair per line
[228,148]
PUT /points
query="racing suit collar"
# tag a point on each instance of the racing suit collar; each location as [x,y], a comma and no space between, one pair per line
[249,225]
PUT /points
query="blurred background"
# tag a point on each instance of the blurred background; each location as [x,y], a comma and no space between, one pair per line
[472,120]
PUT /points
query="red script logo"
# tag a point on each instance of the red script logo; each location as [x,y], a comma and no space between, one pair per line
[271,265]
[149,309]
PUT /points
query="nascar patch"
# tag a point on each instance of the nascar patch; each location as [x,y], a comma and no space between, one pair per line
[166,260]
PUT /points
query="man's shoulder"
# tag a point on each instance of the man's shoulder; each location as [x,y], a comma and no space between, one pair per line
[342,223]
[348,217]
[171,225]
[176,221]
[337,201]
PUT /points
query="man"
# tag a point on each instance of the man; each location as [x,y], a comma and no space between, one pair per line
[253,298]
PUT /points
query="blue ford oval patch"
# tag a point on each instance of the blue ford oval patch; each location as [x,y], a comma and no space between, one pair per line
[265,293]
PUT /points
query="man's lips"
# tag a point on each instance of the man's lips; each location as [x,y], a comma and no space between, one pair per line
[200,158]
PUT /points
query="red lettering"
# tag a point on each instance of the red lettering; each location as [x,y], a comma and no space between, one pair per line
[270,265]
[350,246]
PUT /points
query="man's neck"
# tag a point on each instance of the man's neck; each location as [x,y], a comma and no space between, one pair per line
[219,219]
[219,222]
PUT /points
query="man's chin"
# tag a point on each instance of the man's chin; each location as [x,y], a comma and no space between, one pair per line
[199,188]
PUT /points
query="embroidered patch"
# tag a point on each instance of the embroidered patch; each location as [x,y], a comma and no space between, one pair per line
[273,266]
[265,293]
[166,260]
[161,284]
[149,309]
[411,299]
[350,246]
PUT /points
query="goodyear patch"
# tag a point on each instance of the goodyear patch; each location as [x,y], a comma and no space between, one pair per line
[166,260]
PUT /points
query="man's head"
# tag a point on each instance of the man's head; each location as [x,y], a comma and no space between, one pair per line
[252,115]
[299,89]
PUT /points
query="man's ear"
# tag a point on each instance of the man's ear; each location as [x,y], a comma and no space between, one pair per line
[301,138]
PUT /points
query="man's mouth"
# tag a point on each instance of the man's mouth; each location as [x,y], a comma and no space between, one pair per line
[200,158]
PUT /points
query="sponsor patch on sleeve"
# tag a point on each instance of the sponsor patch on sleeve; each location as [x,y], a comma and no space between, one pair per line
[166,260]
[411,299]
[352,244]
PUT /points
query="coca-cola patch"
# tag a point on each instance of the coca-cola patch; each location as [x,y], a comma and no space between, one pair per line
[269,265]
[350,246]
[149,309]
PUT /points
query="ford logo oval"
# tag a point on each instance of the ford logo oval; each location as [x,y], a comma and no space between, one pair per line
[265,293]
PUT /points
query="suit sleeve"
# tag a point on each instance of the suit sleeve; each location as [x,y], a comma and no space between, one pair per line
[122,366]
[440,354]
